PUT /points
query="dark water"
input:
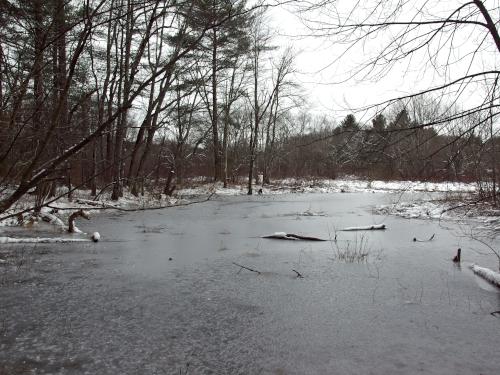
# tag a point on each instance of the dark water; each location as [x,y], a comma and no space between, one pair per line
[123,307]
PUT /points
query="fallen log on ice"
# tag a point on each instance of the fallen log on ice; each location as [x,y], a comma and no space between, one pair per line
[487,274]
[368,227]
[292,237]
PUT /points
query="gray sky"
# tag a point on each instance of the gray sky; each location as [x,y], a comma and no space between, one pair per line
[321,75]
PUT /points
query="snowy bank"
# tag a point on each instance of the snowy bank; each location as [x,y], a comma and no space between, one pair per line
[291,185]
[58,212]
[486,215]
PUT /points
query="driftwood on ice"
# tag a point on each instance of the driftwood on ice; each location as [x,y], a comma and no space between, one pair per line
[368,227]
[292,237]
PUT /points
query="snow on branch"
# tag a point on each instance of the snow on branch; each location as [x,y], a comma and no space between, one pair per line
[487,274]
[71,221]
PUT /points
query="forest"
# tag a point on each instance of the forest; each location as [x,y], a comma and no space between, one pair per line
[146,95]
[249,187]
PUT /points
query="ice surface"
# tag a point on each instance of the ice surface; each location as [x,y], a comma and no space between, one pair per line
[146,302]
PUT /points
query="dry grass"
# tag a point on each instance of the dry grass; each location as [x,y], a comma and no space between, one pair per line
[352,251]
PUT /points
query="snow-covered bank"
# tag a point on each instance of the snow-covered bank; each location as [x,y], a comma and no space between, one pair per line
[290,185]
[57,212]
[451,204]
[443,209]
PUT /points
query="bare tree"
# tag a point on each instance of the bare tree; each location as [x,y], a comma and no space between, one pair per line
[426,36]
[285,90]
[42,164]
[262,97]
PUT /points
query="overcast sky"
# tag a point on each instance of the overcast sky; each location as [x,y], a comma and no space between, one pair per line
[321,76]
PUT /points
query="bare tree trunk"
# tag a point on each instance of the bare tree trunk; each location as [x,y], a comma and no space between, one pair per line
[2,57]
[169,189]
[151,131]
[124,97]
[105,159]
[140,134]
[215,131]
[268,146]
[224,143]
[38,68]
[491,25]
[254,137]
[493,162]
[60,82]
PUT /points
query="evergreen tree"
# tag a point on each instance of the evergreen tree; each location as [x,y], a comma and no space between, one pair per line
[349,123]
[379,122]
[229,23]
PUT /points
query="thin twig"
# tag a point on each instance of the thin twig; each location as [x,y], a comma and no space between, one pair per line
[299,275]
[247,268]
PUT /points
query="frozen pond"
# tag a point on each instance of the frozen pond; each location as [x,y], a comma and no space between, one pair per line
[161,295]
